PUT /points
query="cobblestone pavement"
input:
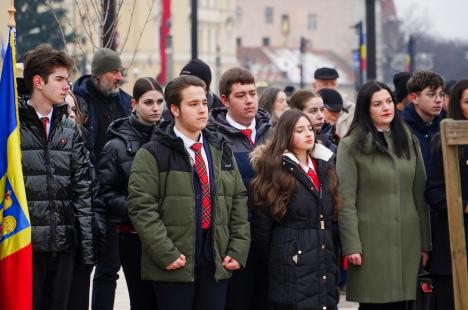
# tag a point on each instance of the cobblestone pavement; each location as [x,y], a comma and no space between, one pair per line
[122,303]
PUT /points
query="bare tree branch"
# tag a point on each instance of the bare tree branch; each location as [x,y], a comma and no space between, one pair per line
[49,4]
[141,33]
[129,26]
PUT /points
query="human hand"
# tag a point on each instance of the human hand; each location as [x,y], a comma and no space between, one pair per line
[354,259]
[178,263]
[424,258]
[230,263]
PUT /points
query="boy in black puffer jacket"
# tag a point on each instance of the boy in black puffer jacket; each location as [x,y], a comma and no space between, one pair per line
[56,178]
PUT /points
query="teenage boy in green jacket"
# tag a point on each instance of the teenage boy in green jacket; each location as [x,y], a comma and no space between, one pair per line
[188,205]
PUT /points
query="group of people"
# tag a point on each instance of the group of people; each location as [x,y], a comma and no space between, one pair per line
[232,201]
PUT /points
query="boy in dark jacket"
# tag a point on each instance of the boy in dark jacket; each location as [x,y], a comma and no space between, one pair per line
[188,205]
[426,92]
[56,178]
[245,127]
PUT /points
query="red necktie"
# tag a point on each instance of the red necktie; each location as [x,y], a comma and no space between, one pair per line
[200,167]
[45,121]
[314,177]
[248,133]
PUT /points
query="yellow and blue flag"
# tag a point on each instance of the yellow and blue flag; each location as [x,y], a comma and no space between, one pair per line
[15,225]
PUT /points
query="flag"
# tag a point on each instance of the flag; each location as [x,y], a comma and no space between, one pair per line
[15,225]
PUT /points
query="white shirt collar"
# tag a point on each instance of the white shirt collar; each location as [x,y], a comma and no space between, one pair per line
[187,141]
[236,125]
[40,115]
[293,157]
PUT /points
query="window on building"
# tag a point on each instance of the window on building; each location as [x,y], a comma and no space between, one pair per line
[239,42]
[269,15]
[285,24]
[312,22]
[266,41]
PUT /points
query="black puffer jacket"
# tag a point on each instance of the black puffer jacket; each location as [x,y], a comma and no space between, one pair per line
[125,136]
[301,256]
[57,184]
[441,262]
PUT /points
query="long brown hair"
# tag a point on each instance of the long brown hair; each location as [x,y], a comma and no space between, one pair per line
[273,186]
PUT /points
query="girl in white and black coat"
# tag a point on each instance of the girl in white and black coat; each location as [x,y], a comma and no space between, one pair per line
[296,202]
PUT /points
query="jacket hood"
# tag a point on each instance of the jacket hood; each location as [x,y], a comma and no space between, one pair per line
[130,129]
[85,88]
[412,117]
[28,113]
[166,135]
[319,152]
[218,121]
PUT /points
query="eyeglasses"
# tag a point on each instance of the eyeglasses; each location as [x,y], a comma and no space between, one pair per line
[432,95]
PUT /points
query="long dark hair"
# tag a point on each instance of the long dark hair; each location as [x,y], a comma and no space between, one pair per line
[455,111]
[144,84]
[273,186]
[363,121]
[267,99]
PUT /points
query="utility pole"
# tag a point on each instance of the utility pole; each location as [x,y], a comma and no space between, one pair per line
[370,40]
[302,50]
[411,54]
[194,19]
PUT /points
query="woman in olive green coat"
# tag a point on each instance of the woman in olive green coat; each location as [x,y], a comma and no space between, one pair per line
[384,223]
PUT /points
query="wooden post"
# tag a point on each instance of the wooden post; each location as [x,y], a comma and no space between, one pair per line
[454,133]
[11,17]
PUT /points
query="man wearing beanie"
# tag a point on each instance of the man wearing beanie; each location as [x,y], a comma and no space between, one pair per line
[201,70]
[102,101]
[101,98]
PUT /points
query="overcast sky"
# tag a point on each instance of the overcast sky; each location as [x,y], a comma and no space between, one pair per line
[447,18]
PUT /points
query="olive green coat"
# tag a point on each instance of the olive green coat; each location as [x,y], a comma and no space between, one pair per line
[384,217]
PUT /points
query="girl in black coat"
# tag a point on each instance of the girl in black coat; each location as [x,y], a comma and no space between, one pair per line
[125,137]
[295,196]
[440,263]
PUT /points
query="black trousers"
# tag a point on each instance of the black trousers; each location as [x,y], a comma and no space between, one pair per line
[141,292]
[52,277]
[248,287]
[202,294]
[402,305]
[106,273]
[443,293]
[79,292]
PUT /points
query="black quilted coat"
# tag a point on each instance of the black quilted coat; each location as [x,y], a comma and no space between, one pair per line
[125,136]
[300,250]
[57,184]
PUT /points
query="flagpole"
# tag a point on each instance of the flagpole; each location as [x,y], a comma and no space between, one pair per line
[11,12]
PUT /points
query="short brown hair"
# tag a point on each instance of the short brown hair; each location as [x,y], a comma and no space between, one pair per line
[233,76]
[173,91]
[300,97]
[42,60]
[422,79]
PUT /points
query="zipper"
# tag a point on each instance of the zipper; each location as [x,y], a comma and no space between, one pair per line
[49,190]
[213,204]
[189,158]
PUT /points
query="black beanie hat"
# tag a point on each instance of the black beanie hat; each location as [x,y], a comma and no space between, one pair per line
[400,81]
[199,69]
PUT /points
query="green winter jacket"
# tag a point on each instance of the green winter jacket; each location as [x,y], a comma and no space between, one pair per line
[161,206]
[384,217]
